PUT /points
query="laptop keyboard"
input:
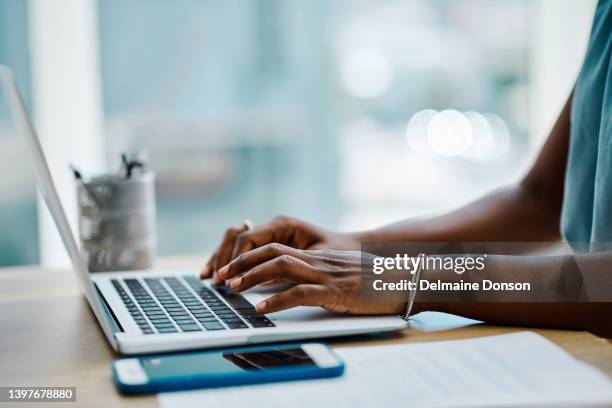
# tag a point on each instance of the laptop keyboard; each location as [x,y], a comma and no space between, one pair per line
[168,305]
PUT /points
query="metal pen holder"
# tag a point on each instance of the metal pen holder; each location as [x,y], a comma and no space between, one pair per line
[117,221]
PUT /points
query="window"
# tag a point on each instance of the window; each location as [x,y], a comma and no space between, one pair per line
[346,113]
[257,108]
[19,237]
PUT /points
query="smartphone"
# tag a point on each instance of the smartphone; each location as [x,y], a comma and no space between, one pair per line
[219,368]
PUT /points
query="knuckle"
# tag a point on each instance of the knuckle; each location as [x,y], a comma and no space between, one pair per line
[275,248]
[300,292]
[273,301]
[238,261]
[283,220]
[229,233]
[241,239]
[246,278]
[285,260]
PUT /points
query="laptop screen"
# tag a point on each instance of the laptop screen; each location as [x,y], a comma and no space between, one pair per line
[24,128]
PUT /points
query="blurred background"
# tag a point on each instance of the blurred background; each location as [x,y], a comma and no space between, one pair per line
[346,113]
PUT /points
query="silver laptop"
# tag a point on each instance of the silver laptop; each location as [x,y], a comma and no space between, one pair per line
[169,310]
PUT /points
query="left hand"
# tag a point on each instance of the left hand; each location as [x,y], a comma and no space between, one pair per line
[330,279]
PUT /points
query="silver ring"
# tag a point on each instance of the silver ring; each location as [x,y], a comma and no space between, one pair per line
[248,224]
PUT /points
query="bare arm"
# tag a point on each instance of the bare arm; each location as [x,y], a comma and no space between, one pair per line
[528,211]
[565,291]
[573,292]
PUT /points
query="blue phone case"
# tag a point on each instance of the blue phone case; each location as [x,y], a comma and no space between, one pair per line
[205,380]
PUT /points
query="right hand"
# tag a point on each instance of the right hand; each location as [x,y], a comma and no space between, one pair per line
[283,230]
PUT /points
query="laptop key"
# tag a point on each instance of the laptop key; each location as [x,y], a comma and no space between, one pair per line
[233,298]
[213,326]
[237,325]
[225,314]
[163,325]
[247,311]
[221,310]
[198,310]
[262,324]
[167,330]
[231,321]
[184,321]
[181,316]
[179,313]
[203,314]
[257,316]
[190,327]
[208,319]
[156,321]
[194,304]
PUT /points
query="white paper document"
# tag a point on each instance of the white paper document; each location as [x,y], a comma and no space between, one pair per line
[519,369]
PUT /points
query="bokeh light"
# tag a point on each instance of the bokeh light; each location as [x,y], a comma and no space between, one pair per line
[482,136]
[416,131]
[449,133]
[501,136]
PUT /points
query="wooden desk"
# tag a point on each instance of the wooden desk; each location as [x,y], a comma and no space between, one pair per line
[50,337]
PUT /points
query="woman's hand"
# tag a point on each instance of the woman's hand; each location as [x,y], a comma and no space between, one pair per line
[330,279]
[283,230]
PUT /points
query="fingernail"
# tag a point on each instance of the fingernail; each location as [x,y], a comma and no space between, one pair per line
[235,283]
[261,306]
[223,271]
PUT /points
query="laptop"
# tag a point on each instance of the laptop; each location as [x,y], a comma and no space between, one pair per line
[171,310]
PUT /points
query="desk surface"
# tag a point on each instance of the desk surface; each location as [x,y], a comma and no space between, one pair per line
[50,337]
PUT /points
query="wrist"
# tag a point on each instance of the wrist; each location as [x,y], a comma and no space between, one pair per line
[399,308]
[363,236]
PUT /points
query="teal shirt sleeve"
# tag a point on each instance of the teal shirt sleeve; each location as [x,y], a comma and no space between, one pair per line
[587,202]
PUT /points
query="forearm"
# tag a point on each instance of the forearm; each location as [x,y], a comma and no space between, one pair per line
[564,291]
[508,215]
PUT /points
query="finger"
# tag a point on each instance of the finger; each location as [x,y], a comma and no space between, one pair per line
[300,295]
[208,268]
[227,245]
[257,256]
[283,267]
[278,230]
